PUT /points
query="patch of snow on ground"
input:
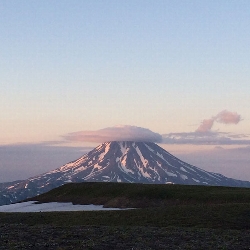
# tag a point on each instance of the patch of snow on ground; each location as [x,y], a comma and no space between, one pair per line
[97,166]
[101,156]
[141,157]
[170,164]
[184,177]
[195,180]
[211,175]
[123,149]
[219,175]
[144,162]
[93,172]
[183,169]
[29,206]
[215,177]
[80,169]
[128,180]
[160,155]
[171,174]
[158,163]
[144,174]
[159,178]
[99,147]
[124,161]
[186,166]
[124,169]
[70,165]
[149,148]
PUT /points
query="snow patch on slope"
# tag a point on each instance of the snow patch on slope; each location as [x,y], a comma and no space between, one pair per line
[184,177]
[143,160]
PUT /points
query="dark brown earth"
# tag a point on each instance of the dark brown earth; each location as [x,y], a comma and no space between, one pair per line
[170,217]
[21,236]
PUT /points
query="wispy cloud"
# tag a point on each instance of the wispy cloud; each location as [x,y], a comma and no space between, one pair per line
[225,117]
[206,138]
[204,135]
[116,133]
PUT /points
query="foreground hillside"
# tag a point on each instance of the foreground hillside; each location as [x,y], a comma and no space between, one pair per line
[170,217]
[143,195]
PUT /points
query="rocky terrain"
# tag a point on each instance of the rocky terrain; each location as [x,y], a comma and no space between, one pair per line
[49,237]
[167,217]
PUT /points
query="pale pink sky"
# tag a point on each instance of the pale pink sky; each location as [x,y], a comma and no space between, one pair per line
[74,70]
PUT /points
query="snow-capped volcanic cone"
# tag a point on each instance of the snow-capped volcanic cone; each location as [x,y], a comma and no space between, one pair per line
[118,161]
[140,162]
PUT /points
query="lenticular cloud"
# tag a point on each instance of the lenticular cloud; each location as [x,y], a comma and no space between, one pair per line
[116,133]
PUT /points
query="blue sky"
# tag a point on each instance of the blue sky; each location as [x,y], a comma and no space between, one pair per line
[69,66]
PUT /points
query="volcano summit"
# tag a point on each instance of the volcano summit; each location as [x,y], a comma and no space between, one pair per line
[118,161]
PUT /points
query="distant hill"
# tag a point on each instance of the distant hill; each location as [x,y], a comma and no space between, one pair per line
[142,195]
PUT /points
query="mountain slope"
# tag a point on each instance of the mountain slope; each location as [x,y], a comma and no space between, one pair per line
[125,161]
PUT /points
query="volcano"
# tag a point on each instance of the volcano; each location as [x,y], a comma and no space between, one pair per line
[118,161]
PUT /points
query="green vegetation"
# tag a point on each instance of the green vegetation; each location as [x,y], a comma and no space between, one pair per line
[158,206]
[168,217]
[223,216]
[143,195]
